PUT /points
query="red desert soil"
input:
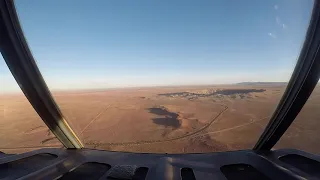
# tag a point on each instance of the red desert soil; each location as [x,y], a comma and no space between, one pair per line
[161,120]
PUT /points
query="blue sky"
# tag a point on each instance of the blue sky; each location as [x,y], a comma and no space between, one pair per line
[111,43]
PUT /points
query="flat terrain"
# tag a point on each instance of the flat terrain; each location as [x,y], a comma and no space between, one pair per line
[161,119]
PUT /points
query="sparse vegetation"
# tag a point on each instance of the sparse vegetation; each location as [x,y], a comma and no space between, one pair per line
[163,120]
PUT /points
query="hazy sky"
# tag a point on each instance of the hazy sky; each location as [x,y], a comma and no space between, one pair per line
[124,43]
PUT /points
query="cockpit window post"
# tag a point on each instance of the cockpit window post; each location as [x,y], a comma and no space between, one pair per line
[303,80]
[22,65]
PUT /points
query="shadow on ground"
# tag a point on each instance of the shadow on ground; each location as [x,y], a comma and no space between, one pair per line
[168,119]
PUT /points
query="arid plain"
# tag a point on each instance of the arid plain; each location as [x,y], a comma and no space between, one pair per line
[186,119]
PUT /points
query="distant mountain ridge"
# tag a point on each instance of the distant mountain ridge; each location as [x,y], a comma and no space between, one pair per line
[263,83]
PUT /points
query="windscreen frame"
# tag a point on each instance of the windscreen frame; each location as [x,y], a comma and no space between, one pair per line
[303,80]
[18,57]
[22,65]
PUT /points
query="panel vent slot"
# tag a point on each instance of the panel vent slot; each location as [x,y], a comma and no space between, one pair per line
[305,164]
[140,173]
[242,171]
[187,174]
[22,167]
[90,170]
[127,172]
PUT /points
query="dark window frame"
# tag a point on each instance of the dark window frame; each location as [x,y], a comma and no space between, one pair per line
[304,79]
[21,63]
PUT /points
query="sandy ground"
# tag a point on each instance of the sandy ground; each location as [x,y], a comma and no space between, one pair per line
[161,120]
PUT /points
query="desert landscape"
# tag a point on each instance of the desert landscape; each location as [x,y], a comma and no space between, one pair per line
[184,119]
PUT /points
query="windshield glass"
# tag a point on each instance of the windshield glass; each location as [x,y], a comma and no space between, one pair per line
[166,76]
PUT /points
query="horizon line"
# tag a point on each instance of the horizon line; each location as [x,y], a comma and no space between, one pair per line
[52,90]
